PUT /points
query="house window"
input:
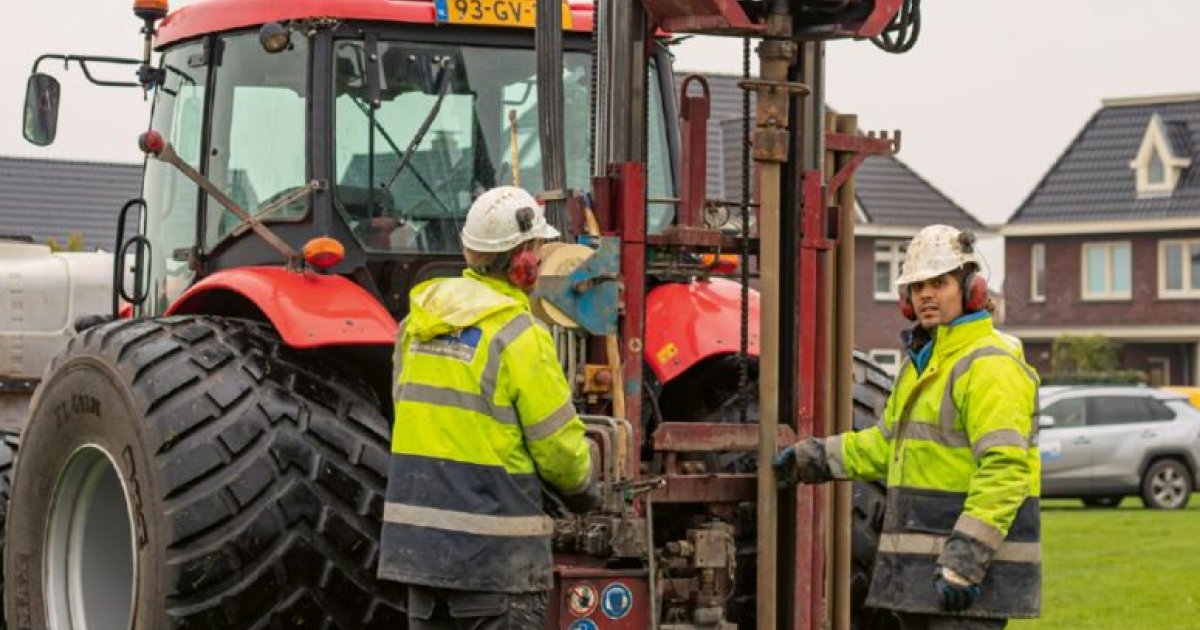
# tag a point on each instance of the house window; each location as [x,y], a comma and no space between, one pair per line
[1106,271]
[889,360]
[1155,172]
[1179,269]
[889,260]
[1037,273]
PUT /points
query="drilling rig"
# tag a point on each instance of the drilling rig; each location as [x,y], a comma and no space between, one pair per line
[214,455]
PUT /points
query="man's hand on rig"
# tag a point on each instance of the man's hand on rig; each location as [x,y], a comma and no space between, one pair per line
[584,501]
[802,462]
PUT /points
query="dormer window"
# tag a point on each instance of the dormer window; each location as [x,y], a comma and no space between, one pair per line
[1161,158]
[1156,174]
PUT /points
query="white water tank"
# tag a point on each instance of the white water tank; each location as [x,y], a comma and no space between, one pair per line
[41,295]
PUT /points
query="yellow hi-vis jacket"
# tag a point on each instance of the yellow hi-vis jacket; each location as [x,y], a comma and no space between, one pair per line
[957,446]
[483,417]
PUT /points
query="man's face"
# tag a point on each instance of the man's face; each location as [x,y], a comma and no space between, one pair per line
[937,301]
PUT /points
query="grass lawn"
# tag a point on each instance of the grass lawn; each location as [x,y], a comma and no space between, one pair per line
[1127,569]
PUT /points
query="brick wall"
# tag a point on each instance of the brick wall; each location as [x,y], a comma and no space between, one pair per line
[1064,304]
[877,324]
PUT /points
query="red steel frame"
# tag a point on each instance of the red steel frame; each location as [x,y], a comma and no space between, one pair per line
[816,248]
[622,193]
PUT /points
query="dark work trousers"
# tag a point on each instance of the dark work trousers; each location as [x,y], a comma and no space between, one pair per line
[445,609]
[919,621]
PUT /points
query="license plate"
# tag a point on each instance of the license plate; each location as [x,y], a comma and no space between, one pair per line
[517,13]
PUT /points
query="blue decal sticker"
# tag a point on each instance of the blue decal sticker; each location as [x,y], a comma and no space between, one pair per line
[616,600]
[460,345]
[469,336]
[442,13]
[583,624]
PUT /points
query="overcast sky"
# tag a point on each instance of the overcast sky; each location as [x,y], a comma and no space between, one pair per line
[990,96]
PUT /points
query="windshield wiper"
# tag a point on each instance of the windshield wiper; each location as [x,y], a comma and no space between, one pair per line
[363,107]
[447,64]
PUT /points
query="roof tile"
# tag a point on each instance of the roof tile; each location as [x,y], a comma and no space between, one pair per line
[1092,180]
[44,199]
[888,191]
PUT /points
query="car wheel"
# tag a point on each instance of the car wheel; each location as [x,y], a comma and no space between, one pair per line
[1102,502]
[1167,485]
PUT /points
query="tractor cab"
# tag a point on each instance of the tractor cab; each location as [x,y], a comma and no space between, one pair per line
[378,133]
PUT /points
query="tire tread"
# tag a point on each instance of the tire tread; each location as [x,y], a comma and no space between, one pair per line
[272,472]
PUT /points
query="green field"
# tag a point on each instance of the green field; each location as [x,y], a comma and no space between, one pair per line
[1124,569]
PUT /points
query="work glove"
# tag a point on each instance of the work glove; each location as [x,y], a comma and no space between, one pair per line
[955,592]
[585,500]
[802,462]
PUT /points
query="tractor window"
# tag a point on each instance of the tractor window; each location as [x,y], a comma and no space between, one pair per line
[257,140]
[484,134]
[658,161]
[171,198]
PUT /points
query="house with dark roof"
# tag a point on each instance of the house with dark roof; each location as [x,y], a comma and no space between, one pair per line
[1108,241]
[44,199]
[894,202]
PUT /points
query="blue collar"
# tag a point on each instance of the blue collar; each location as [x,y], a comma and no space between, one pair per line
[920,358]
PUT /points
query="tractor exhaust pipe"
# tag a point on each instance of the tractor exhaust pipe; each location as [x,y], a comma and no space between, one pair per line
[548,47]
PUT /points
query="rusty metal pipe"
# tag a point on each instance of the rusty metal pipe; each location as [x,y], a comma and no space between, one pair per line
[776,53]
[843,417]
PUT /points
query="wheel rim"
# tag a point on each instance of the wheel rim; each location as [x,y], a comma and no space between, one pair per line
[89,546]
[1169,487]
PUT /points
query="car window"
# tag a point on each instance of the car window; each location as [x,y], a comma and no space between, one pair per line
[1158,410]
[1066,413]
[1108,410]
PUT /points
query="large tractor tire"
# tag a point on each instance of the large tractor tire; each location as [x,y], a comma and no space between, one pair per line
[192,472]
[872,386]
[9,442]
[711,394]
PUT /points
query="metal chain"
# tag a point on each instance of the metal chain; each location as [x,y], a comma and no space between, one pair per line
[744,347]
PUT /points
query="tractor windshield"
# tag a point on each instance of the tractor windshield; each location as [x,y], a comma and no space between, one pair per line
[484,133]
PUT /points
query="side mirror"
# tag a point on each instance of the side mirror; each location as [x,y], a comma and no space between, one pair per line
[1045,422]
[41,109]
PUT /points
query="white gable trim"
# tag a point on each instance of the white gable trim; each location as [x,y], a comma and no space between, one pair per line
[1100,227]
[909,231]
[1170,332]
[1155,142]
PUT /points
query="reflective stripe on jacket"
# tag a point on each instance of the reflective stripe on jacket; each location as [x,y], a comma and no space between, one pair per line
[483,416]
[958,448]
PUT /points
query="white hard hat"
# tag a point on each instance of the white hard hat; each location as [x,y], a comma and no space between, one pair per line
[503,218]
[935,250]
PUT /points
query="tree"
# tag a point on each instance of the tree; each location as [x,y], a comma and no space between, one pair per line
[74,243]
[1084,360]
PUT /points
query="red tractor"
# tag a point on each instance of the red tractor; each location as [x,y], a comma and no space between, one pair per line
[213,455]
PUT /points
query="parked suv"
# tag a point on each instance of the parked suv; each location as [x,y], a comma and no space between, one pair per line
[1101,444]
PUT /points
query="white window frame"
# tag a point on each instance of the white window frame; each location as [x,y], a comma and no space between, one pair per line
[895,258]
[1037,258]
[892,368]
[1108,294]
[1187,292]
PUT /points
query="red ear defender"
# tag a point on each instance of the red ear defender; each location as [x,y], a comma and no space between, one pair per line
[905,303]
[523,269]
[974,292]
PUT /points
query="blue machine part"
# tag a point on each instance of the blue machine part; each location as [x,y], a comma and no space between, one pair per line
[589,294]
